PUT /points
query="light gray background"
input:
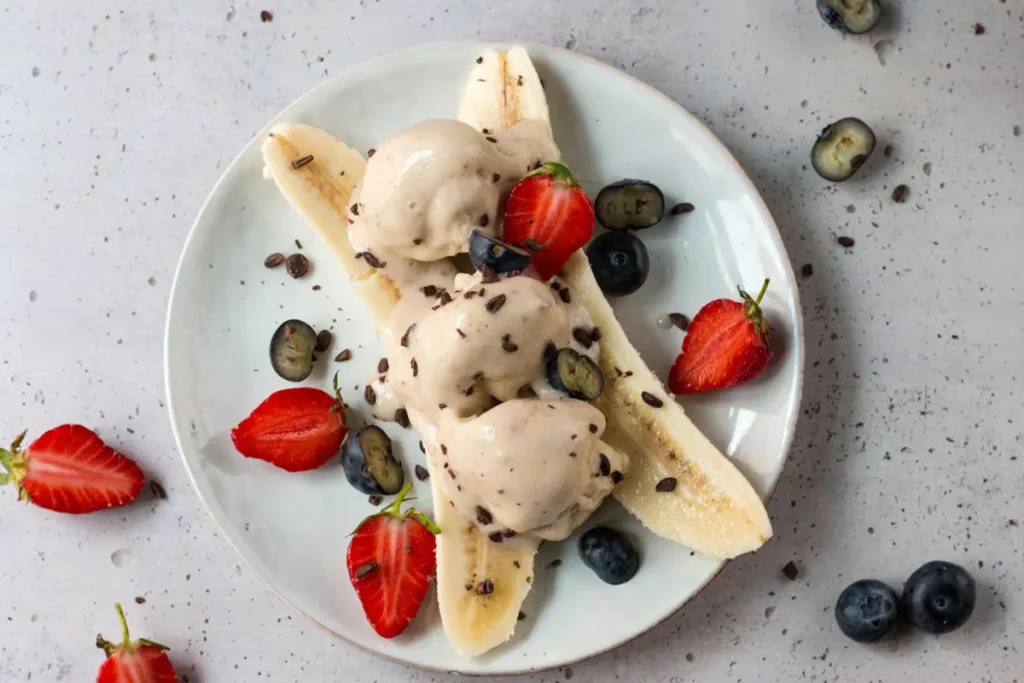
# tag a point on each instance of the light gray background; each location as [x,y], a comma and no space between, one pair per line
[116,118]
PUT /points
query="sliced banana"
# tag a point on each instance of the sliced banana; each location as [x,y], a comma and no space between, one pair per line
[503,88]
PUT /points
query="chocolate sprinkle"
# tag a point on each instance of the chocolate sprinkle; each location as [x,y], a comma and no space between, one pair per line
[444,449]
[382,365]
[682,207]
[266,16]
[493,305]
[582,336]
[807,270]
[274,260]
[354,209]
[299,163]
[485,587]
[617,477]
[520,616]
[375,500]
[564,295]
[402,418]
[429,291]
[495,537]
[790,571]
[415,367]
[593,428]
[555,564]
[370,395]
[343,356]
[158,490]
[323,341]
[606,466]
[595,335]
[507,344]
[666,485]
[679,320]
[370,152]
[408,333]
[479,60]
[483,516]
[846,242]
[899,195]
[297,265]
[651,400]
[496,177]
[372,260]
[461,333]
[421,472]
[484,220]
[491,139]
[366,570]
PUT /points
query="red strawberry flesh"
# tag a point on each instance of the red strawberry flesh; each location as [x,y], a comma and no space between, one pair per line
[140,661]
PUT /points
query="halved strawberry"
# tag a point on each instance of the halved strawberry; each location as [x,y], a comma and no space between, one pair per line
[726,345]
[140,661]
[70,469]
[295,429]
[390,562]
[549,214]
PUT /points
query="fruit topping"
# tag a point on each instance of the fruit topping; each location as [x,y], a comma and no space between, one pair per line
[629,205]
[610,554]
[497,254]
[620,263]
[850,16]
[867,610]
[295,429]
[369,462]
[575,374]
[69,469]
[550,212]
[390,562]
[291,350]
[939,597]
[139,661]
[726,345]
[842,148]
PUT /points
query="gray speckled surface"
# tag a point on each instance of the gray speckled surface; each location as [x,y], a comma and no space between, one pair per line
[116,118]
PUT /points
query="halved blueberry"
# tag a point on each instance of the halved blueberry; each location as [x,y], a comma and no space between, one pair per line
[867,610]
[850,16]
[842,148]
[488,250]
[291,350]
[939,597]
[620,262]
[370,464]
[629,205]
[610,554]
[575,374]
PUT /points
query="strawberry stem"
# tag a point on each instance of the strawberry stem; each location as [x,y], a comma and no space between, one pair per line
[559,173]
[125,639]
[760,295]
[395,507]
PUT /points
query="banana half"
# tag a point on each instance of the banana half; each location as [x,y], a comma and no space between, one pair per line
[481,585]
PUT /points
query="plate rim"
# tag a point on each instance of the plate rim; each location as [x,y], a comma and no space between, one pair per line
[797,348]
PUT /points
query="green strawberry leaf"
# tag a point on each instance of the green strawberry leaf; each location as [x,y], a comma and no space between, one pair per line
[4,479]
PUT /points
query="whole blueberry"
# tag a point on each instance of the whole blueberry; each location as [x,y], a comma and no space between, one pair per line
[620,262]
[939,597]
[867,610]
[610,554]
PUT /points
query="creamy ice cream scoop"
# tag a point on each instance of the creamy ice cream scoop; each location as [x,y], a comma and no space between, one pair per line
[428,186]
[528,466]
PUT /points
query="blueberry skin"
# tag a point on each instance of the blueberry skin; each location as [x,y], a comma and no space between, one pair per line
[867,610]
[487,250]
[939,597]
[629,204]
[610,554]
[353,462]
[620,262]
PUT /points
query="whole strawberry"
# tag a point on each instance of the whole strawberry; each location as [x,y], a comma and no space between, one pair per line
[550,215]
[140,661]
[390,562]
[726,344]
[69,469]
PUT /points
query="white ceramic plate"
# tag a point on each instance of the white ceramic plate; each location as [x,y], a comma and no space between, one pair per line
[291,528]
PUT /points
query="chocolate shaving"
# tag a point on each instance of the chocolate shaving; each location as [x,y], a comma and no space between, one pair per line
[682,207]
[370,152]
[489,275]
[496,177]
[493,305]
[323,341]
[507,344]
[366,570]
[418,241]
[846,241]
[429,291]
[491,139]
[605,467]
[354,209]
[593,428]
[666,485]
[651,400]
[484,220]
[370,395]
[495,537]
[402,418]
[679,320]
[477,376]
[382,365]
[157,490]
[461,333]
[274,260]
[421,472]
[485,587]
[595,335]
[372,260]
[508,533]
[483,516]
[343,356]
[617,477]
[408,333]
[564,295]
[299,163]
[444,297]
[582,336]
[415,367]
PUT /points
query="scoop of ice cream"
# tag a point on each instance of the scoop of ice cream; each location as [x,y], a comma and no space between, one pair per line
[528,465]
[427,187]
[458,352]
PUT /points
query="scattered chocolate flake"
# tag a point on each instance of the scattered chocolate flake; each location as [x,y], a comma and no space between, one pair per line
[444,449]
[807,270]
[627,373]
[495,537]
[508,345]
[297,265]
[1011,522]
[158,490]
[444,297]
[266,17]
[370,152]
[682,207]
[485,587]
[423,449]
[461,333]
[573,453]
[470,294]
[488,274]
[408,333]
[429,291]
[415,367]
[666,485]
[323,341]
[496,177]
[442,406]
[469,391]
[493,305]
[274,260]
[593,428]
[480,60]
[605,467]
[477,376]
[343,356]
[298,244]
[515,563]
[421,472]
[679,320]
[316,288]
[508,533]
[483,516]
[370,395]
[595,335]
[889,149]
[845,241]
[617,477]
[372,260]
[382,365]
[375,500]
[299,163]
[418,241]
[402,418]
[520,616]
[354,209]
[484,220]
[491,139]
[582,336]
[651,400]
[790,571]
[979,30]
[482,292]
[563,294]
[555,564]
[519,81]
[451,474]
[366,570]
[899,195]
[139,600]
